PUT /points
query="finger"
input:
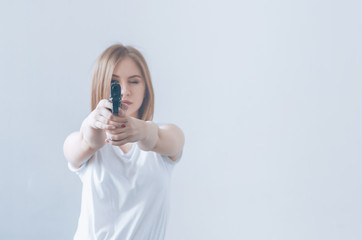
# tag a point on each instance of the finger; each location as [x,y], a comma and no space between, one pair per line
[117,137]
[105,103]
[108,118]
[118,123]
[103,126]
[117,131]
[107,124]
[117,143]
[119,119]
[105,113]
[103,120]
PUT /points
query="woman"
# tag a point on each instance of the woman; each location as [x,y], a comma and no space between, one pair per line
[124,161]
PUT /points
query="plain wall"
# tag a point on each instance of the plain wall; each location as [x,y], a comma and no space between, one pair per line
[268,94]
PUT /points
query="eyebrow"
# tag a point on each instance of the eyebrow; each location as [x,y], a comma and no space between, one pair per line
[133,76]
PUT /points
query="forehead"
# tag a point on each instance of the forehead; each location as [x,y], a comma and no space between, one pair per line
[126,67]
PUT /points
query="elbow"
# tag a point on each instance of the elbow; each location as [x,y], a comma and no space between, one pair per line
[68,143]
[174,138]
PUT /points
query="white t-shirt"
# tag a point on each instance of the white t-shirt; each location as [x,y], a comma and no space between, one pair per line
[124,196]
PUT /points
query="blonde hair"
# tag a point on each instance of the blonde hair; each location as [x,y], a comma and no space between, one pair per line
[102,76]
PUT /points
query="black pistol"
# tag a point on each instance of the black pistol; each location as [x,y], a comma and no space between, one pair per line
[115,97]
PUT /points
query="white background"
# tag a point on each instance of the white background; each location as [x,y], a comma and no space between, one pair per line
[268,94]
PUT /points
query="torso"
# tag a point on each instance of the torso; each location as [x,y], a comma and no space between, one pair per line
[114,183]
[126,147]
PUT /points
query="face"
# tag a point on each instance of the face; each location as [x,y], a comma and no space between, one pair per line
[133,86]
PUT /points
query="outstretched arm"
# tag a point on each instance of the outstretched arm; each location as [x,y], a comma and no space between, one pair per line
[166,140]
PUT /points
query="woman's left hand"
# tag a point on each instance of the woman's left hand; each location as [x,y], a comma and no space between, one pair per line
[131,131]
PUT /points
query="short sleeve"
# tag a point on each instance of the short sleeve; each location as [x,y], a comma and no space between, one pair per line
[77,170]
[176,161]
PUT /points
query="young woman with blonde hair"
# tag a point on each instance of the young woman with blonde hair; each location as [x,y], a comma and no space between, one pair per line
[124,161]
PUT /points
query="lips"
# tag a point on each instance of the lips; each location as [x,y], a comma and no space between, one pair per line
[126,102]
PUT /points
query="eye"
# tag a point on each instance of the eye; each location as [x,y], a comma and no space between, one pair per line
[114,81]
[134,82]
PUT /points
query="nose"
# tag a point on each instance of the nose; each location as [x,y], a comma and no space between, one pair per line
[124,90]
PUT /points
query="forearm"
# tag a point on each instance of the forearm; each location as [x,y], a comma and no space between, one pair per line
[94,138]
[80,146]
[150,135]
[166,140]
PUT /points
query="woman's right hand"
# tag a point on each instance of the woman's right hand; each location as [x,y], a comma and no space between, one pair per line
[102,118]
[80,146]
